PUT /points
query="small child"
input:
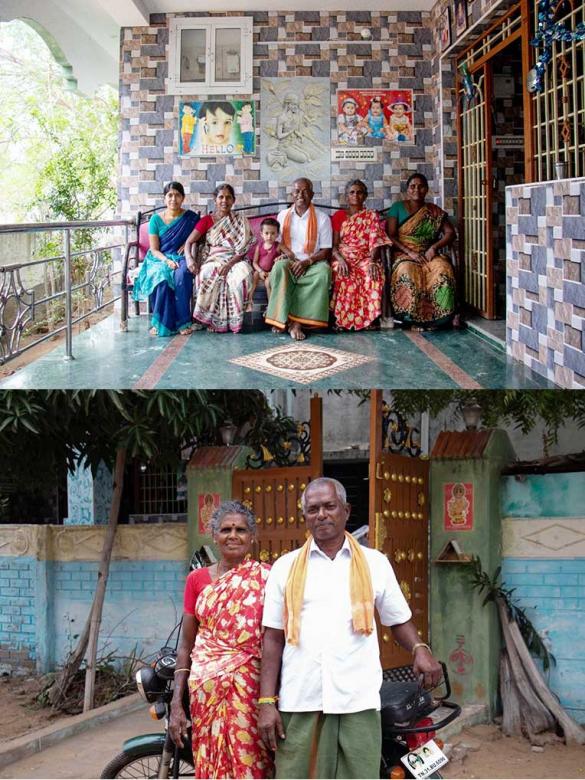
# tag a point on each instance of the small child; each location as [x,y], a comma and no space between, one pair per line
[267,250]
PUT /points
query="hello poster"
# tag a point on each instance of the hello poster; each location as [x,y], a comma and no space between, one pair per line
[386,114]
[458,506]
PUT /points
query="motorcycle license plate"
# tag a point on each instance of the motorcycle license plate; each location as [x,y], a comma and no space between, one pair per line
[424,760]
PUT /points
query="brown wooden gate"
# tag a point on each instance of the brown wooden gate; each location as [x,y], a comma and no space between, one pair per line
[274,495]
[399,527]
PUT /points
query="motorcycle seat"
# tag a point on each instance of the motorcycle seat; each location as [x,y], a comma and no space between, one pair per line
[403,702]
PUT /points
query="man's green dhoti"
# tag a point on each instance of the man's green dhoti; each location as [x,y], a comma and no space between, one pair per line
[304,300]
[330,746]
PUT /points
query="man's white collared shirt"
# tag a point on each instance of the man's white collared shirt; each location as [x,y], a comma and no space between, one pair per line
[333,669]
[298,231]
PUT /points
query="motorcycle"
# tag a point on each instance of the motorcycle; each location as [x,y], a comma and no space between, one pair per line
[410,717]
[409,748]
[155,755]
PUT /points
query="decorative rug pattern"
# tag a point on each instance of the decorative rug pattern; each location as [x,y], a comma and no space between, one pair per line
[302,362]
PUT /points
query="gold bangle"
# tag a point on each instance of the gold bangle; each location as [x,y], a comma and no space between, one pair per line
[420,644]
[184,669]
[267,700]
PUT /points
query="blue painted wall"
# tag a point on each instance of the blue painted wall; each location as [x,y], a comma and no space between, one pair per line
[552,590]
[17,604]
[44,606]
[144,600]
[543,495]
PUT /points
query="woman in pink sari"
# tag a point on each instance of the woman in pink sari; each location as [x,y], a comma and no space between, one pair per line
[358,277]
[219,654]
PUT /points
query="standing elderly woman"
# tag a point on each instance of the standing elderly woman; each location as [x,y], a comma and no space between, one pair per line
[165,277]
[219,654]
[226,275]
[358,278]
[422,285]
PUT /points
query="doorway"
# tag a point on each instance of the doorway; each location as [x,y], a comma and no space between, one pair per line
[494,130]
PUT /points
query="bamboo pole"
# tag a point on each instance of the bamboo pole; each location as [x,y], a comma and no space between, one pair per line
[103,572]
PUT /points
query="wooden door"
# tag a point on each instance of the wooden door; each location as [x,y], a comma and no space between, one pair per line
[274,496]
[399,527]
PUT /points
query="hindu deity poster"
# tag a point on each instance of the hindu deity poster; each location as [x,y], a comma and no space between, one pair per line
[458,506]
[368,113]
[295,129]
[217,127]
[207,503]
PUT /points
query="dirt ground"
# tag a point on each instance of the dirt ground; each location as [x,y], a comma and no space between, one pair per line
[18,712]
[487,753]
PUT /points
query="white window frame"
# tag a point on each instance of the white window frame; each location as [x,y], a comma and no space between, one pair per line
[210,86]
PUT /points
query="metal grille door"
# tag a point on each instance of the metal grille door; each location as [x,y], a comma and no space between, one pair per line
[474,123]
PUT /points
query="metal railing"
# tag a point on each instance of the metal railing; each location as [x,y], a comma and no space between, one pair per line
[23,302]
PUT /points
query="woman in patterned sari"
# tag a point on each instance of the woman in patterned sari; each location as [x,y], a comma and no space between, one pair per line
[422,286]
[357,269]
[226,275]
[219,654]
[164,276]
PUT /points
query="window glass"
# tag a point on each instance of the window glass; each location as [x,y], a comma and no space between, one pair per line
[192,55]
[227,54]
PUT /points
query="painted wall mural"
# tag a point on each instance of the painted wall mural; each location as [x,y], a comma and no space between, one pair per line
[295,129]
[217,127]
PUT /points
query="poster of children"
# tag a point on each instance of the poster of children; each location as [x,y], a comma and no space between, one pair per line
[368,113]
[217,127]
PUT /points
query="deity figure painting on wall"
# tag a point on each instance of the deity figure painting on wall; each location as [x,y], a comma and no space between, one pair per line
[295,129]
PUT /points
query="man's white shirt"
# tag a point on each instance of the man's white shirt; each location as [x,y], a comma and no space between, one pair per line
[298,232]
[333,669]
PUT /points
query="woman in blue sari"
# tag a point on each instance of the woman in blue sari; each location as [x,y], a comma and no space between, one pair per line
[164,276]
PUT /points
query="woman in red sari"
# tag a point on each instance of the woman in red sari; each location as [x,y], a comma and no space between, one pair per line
[219,654]
[358,279]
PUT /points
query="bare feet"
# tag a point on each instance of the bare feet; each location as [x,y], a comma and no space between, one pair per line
[296,332]
[276,330]
[153,332]
[186,332]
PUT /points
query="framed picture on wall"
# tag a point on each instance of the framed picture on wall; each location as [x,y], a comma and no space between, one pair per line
[444,30]
[460,17]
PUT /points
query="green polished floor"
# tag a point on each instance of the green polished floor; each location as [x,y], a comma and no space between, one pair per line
[104,357]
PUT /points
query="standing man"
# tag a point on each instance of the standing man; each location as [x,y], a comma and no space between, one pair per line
[320,639]
[300,283]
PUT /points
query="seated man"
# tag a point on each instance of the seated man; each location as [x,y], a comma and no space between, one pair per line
[300,284]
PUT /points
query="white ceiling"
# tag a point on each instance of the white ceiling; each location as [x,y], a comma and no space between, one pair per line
[86,33]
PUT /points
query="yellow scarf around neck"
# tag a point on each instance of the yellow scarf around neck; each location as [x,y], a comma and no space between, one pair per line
[361,592]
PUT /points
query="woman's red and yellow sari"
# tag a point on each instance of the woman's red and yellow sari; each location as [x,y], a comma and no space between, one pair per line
[357,299]
[225,674]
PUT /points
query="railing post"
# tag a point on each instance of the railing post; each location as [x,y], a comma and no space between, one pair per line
[68,296]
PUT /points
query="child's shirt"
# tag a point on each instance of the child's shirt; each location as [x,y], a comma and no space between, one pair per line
[266,257]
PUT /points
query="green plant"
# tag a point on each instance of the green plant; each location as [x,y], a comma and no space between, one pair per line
[495,590]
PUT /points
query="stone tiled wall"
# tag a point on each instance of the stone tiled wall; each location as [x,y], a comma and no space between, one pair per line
[546,279]
[308,43]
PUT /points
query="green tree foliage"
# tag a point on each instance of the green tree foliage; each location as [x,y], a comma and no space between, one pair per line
[58,149]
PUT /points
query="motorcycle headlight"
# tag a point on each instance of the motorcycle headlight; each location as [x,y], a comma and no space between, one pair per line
[149,684]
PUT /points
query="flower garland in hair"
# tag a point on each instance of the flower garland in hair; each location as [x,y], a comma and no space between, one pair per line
[547,31]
